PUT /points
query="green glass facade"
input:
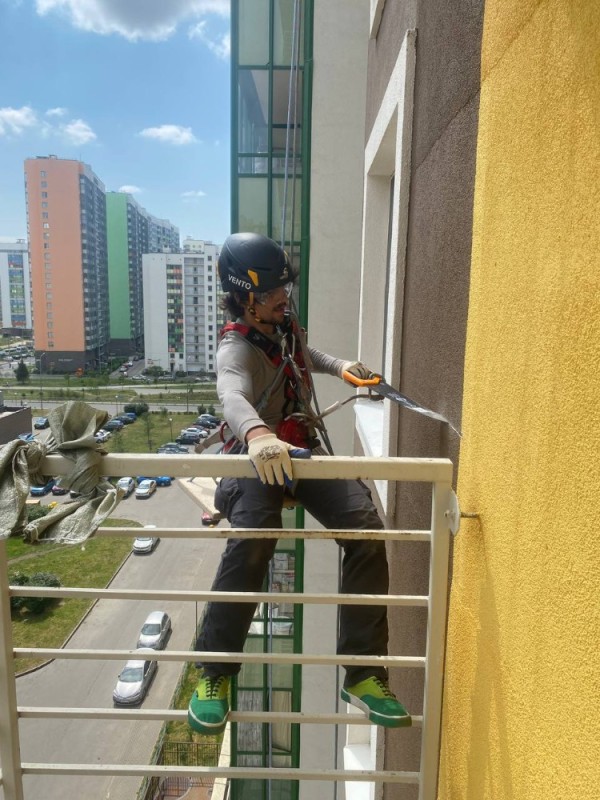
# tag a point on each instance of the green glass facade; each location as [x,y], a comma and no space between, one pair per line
[118,265]
[271,60]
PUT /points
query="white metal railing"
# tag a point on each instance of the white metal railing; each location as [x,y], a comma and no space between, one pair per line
[438,472]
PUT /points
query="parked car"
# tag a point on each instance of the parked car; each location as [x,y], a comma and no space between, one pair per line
[125,419]
[155,630]
[145,489]
[40,423]
[27,437]
[172,449]
[40,491]
[131,414]
[134,679]
[145,544]
[127,484]
[113,425]
[59,490]
[210,418]
[102,436]
[202,433]
[163,480]
[188,438]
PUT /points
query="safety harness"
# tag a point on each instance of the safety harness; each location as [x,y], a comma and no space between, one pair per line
[288,356]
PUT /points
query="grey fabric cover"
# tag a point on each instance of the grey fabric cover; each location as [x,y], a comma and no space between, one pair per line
[72,429]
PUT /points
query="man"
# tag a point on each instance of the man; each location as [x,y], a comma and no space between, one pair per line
[264,385]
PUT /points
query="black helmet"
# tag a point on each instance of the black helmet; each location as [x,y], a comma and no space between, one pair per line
[249,262]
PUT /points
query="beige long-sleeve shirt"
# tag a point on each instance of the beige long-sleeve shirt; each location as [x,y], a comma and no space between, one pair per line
[245,374]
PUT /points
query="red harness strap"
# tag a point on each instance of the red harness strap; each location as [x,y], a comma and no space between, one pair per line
[290,430]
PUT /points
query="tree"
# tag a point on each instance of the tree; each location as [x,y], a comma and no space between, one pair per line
[21,372]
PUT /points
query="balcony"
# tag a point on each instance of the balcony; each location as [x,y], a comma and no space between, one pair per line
[360,765]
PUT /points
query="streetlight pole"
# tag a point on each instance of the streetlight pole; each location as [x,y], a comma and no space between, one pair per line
[171,426]
[117,404]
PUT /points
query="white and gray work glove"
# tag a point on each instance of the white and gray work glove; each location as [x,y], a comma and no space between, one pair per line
[271,458]
[356,368]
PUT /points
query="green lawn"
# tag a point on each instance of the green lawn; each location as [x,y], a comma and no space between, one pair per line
[92,564]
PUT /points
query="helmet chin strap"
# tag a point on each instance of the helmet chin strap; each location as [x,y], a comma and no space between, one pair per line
[254,315]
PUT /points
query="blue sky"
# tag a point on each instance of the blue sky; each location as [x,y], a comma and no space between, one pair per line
[137,89]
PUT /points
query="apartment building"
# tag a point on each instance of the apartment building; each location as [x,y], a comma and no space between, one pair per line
[131,232]
[66,223]
[15,287]
[162,235]
[182,317]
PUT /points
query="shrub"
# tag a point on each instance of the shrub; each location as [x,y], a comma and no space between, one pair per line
[35,512]
[137,408]
[18,579]
[201,409]
[35,605]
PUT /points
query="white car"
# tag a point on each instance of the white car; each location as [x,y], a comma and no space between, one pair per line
[199,432]
[135,679]
[102,435]
[155,630]
[145,544]
[127,484]
[145,489]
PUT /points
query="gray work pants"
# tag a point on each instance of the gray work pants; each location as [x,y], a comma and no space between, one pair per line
[337,504]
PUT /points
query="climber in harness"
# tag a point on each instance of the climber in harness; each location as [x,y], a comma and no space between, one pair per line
[265,386]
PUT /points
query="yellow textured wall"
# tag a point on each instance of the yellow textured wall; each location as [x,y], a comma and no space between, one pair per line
[521,717]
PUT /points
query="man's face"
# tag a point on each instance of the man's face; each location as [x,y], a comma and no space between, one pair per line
[271,306]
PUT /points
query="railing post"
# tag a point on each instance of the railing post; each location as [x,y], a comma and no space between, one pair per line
[436,640]
[10,750]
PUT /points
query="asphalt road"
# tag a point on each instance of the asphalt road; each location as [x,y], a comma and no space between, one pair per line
[182,564]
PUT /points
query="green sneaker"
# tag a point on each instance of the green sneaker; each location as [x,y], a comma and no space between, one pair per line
[373,696]
[209,706]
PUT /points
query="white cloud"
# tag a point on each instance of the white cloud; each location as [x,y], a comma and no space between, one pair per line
[78,132]
[195,194]
[132,19]
[219,45]
[129,189]
[16,120]
[56,112]
[171,134]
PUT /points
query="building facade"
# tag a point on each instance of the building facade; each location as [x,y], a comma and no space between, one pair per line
[182,317]
[473,288]
[66,221]
[131,232]
[15,287]
[162,235]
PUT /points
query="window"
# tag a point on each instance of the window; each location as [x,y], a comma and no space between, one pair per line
[46,225]
[387,173]
[44,215]
[46,246]
[46,236]
[44,194]
[44,204]
[42,173]
[44,184]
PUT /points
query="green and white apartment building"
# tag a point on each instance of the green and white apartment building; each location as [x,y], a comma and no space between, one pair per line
[15,287]
[131,232]
[182,318]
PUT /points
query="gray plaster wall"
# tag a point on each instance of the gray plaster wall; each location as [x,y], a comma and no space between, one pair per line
[443,160]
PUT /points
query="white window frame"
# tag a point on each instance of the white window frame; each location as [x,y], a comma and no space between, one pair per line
[387,155]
